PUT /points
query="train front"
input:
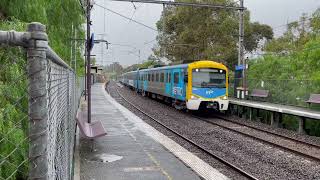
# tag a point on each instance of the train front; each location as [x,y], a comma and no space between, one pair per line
[207,86]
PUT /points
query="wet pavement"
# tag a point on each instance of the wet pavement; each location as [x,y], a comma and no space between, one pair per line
[126,153]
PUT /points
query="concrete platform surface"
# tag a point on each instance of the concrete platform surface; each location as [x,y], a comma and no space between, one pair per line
[133,150]
[286,109]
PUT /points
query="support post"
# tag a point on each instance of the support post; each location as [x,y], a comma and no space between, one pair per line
[273,122]
[241,33]
[302,125]
[88,59]
[280,120]
[241,58]
[238,113]
[250,113]
[37,111]
[245,110]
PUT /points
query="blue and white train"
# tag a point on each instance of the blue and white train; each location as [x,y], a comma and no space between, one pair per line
[193,86]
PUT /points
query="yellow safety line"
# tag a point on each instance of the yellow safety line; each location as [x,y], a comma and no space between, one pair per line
[154,160]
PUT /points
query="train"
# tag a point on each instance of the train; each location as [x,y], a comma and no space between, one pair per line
[193,86]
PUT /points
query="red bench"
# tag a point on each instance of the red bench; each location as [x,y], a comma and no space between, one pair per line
[314,98]
[90,130]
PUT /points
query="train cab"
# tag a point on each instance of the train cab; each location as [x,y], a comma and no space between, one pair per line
[207,86]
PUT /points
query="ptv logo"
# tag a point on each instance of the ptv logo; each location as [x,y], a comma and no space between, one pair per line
[209,92]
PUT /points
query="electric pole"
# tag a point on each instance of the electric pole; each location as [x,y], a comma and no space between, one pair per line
[139,55]
[241,33]
[241,59]
[88,50]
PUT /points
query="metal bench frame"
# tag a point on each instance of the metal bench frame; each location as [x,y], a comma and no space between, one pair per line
[90,130]
[314,98]
[259,94]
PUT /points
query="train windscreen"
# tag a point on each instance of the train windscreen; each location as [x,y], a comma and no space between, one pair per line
[208,78]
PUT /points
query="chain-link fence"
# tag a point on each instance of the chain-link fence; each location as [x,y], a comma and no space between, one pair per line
[39,97]
[286,91]
[13,114]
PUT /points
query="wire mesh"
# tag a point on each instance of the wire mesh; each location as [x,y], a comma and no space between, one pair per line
[13,114]
[63,92]
[284,91]
[61,126]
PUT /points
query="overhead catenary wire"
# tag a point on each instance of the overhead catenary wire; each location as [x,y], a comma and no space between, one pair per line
[130,19]
[174,3]
[280,27]
[214,6]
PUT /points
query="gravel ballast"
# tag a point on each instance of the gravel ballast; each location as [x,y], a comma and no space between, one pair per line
[261,160]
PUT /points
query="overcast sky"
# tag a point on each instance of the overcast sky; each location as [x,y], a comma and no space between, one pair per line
[132,38]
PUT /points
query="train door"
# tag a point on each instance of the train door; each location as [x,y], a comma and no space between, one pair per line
[177,89]
[168,82]
[145,81]
[136,80]
[184,77]
[140,86]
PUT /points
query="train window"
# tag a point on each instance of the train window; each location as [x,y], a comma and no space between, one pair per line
[152,77]
[162,77]
[149,77]
[157,77]
[176,77]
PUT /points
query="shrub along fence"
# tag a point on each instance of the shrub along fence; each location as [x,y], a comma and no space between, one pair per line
[284,91]
[37,127]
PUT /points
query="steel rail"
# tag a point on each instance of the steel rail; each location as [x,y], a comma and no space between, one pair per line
[259,139]
[237,169]
[270,132]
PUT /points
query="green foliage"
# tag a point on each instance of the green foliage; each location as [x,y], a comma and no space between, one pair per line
[13,107]
[290,70]
[147,64]
[188,33]
[58,16]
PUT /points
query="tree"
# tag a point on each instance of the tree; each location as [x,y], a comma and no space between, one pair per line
[297,35]
[189,33]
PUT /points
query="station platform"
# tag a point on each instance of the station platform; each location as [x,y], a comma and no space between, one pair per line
[133,150]
[285,109]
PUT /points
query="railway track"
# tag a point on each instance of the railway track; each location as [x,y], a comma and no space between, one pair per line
[302,148]
[227,163]
[270,132]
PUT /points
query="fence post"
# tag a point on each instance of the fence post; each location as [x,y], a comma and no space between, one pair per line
[38,112]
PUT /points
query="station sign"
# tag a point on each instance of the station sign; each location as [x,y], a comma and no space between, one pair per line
[241,67]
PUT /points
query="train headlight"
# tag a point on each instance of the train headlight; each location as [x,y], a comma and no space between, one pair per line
[194,97]
[224,97]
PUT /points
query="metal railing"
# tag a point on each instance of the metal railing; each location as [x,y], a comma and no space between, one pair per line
[37,140]
[284,91]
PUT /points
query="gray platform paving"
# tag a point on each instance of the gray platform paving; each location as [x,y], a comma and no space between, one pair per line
[126,153]
[292,110]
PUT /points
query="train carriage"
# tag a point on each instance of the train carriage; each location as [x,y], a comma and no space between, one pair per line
[197,85]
